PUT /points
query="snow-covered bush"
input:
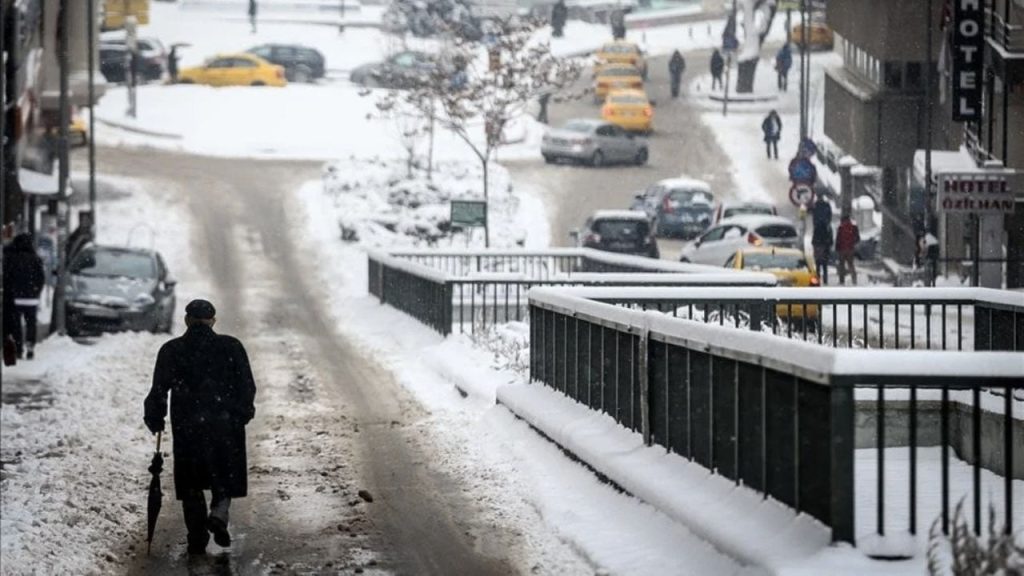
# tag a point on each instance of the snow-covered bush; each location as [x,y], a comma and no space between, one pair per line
[962,553]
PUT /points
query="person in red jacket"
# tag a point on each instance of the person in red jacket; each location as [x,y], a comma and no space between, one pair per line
[847,238]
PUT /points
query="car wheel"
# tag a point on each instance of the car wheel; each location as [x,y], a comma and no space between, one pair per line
[302,74]
[258,83]
[597,160]
[641,157]
[549,159]
[185,81]
[684,260]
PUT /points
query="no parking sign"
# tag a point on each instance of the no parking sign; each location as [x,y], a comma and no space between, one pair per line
[801,195]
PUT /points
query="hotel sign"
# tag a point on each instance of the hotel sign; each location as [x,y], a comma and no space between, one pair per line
[975,193]
[967,48]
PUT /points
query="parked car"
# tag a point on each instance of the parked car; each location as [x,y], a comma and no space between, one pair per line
[620,52]
[115,289]
[301,64]
[790,266]
[594,141]
[401,70]
[234,70]
[680,207]
[730,208]
[630,110]
[616,77]
[152,59]
[622,231]
[722,240]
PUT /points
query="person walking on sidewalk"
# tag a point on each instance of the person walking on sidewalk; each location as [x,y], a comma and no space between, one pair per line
[821,240]
[81,237]
[212,399]
[717,66]
[783,62]
[772,128]
[618,21]
[253,9]
[24,279]
[676,67]
[559,14]
[847,238]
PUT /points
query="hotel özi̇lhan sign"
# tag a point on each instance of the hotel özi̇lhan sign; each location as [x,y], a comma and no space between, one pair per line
[968,44]
[975,193]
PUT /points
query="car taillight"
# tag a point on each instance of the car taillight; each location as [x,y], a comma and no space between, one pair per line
[815,281]
[638,85]
[648,111]
[592,238]
[606,110]
[754,239]
[666,206]
[280,73]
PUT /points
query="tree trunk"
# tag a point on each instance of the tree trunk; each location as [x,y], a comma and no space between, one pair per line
[745,76]
[487,207]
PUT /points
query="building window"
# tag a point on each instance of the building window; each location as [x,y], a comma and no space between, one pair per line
[893,75]
[913,79]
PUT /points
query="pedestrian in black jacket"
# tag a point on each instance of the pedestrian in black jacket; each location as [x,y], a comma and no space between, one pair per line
[772,129]
[24,279]
[717,66]
[212,399]
[821,240]
[559,14]
[676,67]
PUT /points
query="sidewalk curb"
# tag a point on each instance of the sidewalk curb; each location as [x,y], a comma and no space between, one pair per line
[137,130]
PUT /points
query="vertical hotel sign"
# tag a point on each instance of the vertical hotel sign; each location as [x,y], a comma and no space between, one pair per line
[967,46]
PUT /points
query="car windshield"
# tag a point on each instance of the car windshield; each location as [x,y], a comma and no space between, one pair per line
[776,231]
[619,72]
[627,99]
[578,127]
[694,198]
[769,261]
[114,263]
[619,49]
[750,209]
[621,229]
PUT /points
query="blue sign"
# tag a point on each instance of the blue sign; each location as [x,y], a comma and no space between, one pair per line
[802,171]
[807,149]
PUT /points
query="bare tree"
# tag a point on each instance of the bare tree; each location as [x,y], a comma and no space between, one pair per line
[758,16]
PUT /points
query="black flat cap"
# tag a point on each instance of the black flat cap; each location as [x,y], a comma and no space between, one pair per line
[200,310]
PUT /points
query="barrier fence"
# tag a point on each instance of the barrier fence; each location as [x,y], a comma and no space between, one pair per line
[467,291]
[775,415]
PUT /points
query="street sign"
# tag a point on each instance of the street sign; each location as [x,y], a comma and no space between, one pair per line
[968,59]
[802,171]
[801,195]
[469,213]
[807,148]
[975,193]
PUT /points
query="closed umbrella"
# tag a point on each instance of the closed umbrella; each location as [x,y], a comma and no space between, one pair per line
[155,494]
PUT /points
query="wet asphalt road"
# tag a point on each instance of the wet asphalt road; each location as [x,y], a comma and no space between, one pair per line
[329,422]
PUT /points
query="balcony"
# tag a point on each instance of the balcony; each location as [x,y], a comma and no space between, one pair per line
[1004,32]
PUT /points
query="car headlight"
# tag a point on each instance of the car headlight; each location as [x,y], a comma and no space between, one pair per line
[142,301]
[577,147]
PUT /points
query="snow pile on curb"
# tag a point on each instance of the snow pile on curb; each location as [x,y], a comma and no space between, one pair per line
[379,205]
[74,476]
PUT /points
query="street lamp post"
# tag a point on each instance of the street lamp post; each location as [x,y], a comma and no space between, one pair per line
[59,309]
[91,32]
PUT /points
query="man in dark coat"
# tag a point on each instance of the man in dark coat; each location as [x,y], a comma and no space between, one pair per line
[212,399]
[772,129]
[783,62]
[676,67]
[717,66]
[821,240]
[618,21]
[24,279]
[81,237]
[559,14]
[253,9]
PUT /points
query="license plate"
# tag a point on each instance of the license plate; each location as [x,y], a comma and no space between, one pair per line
[100,313]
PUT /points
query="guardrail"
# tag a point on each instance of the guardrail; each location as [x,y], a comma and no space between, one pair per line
[468,291]
[882,318]
[777,416]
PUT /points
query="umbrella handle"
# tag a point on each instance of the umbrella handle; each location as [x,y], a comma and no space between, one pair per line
[159,436]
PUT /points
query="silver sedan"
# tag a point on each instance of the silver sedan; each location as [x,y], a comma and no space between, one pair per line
[595,142]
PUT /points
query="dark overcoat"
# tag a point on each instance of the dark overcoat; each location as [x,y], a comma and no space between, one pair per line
[212,399]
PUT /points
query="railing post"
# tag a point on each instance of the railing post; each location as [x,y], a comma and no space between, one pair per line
[446,308]
[644,370]
[841,468]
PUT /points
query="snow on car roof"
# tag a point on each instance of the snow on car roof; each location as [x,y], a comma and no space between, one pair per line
[738,203]
[756,220]
[684,182]
[621,215]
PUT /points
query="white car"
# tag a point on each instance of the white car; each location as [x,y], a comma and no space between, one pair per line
[731,208]
[722,240]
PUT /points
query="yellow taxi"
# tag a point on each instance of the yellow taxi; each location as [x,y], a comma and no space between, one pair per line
[620,52]
[78,131]
[819,36]
[630,110]
[790,266]
[234,70]
[616,77]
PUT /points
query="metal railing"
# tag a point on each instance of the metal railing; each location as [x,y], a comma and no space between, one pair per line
[468,291]
[1003,33]
[774,415]
[881,318]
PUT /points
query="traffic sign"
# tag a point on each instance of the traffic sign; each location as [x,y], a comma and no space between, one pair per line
[807,148]
[469,213]
[801,195]
[802,171]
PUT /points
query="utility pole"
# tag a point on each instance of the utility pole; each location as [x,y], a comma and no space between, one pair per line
[132,43]
[91,32]
[803,74]
[928,194]
[59,308]
[3,142]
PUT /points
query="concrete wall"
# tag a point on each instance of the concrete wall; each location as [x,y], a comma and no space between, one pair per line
[897,432]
